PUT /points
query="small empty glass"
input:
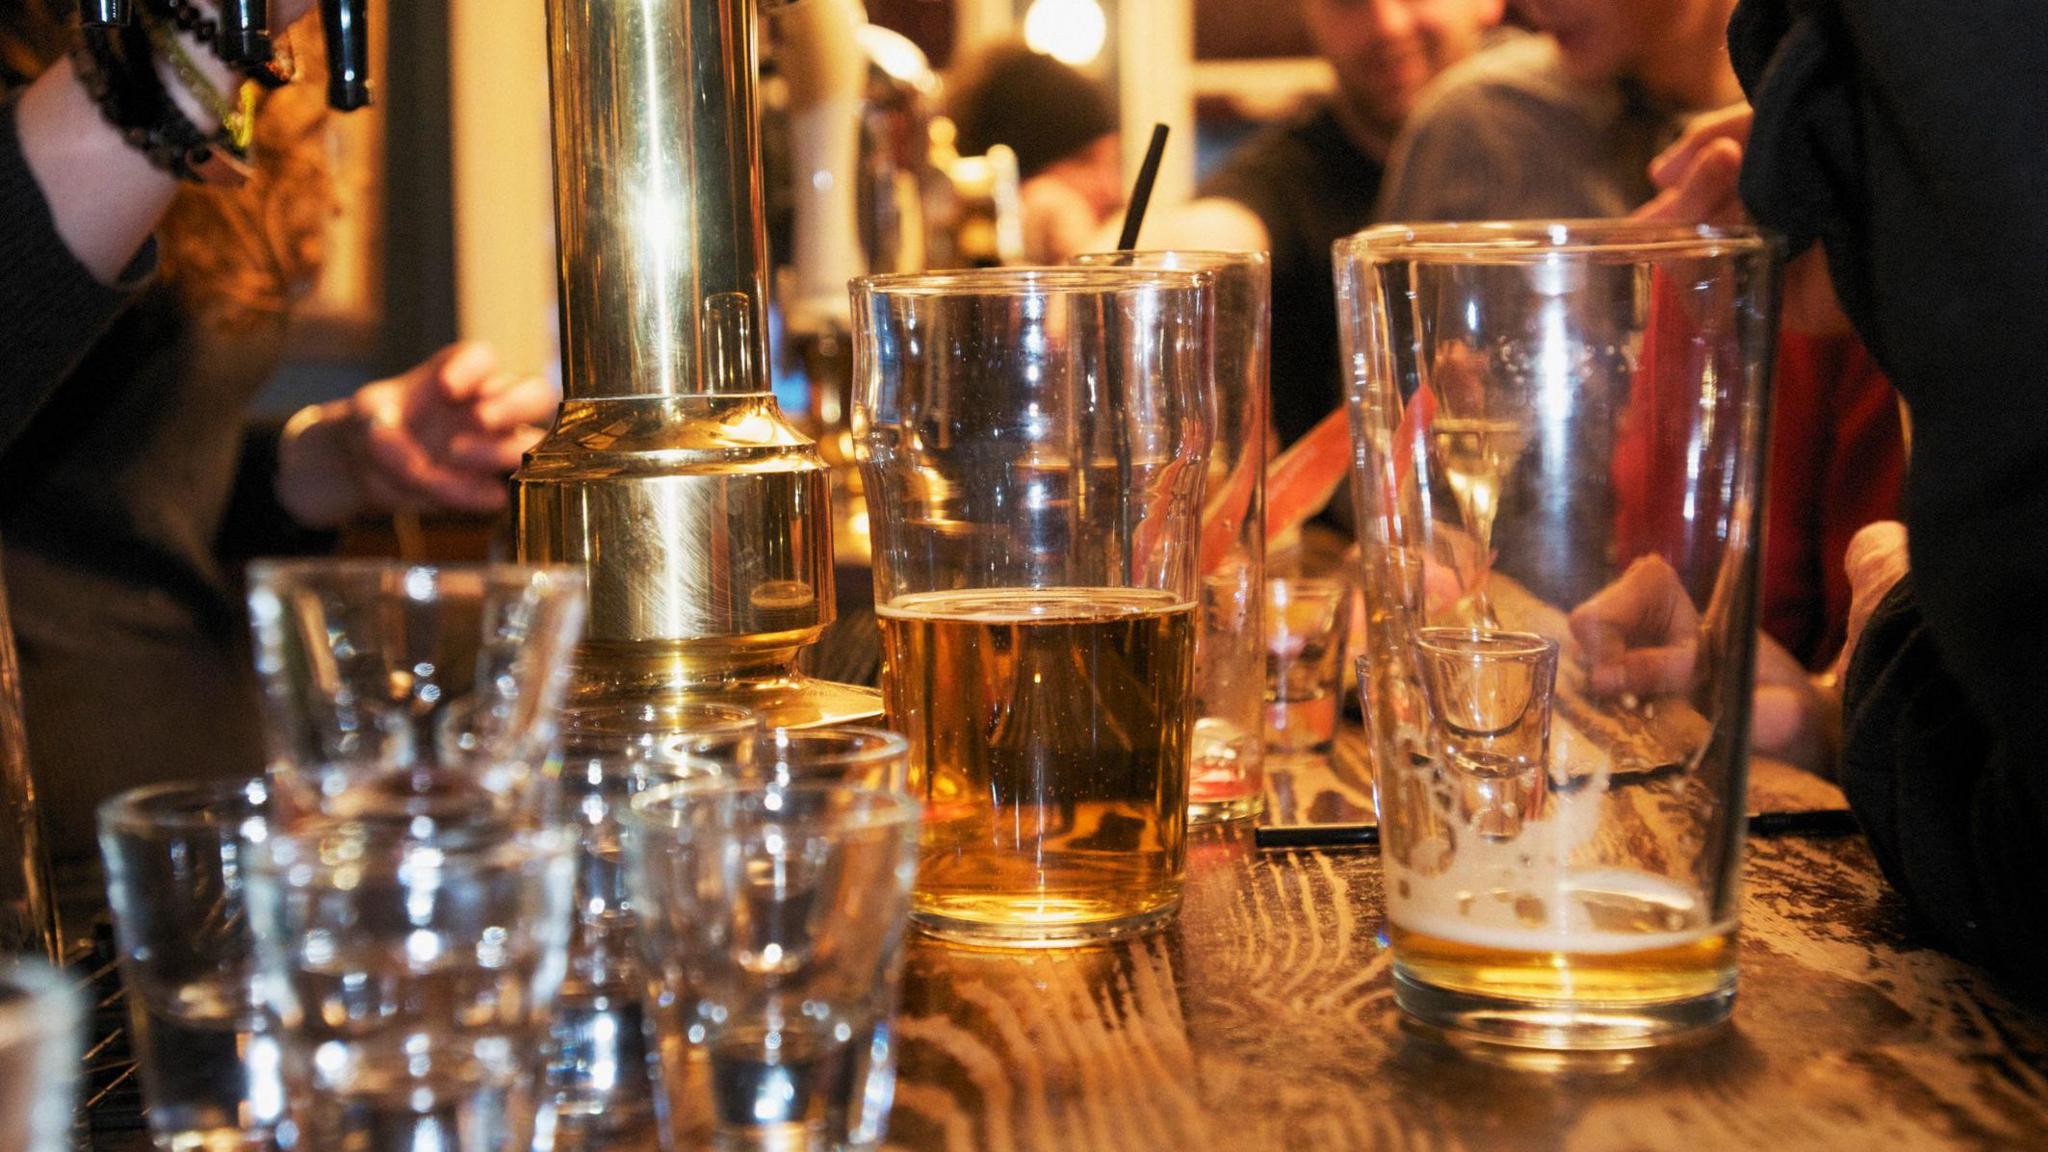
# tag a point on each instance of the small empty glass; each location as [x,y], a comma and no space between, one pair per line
[176,866]
[1488,696]
[857,757]
[773,921]
[1306,619]
[42,1027]
[412,982]
[598,1080]
[407,693]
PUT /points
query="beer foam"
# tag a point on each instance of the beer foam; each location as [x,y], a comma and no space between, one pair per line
[1568,924]
[1537,892]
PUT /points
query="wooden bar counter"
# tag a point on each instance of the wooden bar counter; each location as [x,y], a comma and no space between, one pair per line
[1265,1019]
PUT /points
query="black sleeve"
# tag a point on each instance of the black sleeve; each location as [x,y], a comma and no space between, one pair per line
[256,524]
[1911,138]
[51,307]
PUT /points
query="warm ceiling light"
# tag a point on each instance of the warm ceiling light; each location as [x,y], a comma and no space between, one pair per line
[1070,31]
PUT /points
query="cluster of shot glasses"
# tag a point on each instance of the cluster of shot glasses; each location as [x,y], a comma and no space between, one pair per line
[459,916]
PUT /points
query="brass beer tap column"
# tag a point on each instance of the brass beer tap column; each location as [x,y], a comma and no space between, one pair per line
[700,514]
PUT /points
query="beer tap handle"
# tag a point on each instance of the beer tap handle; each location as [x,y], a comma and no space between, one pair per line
[245,31]
[347,23]
[106,13]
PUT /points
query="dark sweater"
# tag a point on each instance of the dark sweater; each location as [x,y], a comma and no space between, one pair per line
[122,453]
[1310,185]
[1912,141]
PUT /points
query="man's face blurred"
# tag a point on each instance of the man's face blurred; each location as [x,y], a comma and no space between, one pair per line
[1384,51]
[1605,40]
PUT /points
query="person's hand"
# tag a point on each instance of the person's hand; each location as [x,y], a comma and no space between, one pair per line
[1698,180]
[1697,176]
[1876,560]
[1640,636]
[438,437]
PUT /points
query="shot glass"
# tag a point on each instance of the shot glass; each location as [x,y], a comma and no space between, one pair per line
[598,1085]
[773,924]
[412,982]
[1226,773]
[1488,694]
[42,1029]
[177,865]
[857,757]
[1034,444]
[1306,622]
[405,693]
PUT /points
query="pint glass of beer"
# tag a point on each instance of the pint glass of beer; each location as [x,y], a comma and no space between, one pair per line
[1560,453]
[1033,444]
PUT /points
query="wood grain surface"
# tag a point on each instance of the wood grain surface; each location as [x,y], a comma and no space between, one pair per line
[1264,1019]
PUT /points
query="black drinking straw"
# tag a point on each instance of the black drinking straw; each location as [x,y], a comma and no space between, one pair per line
[1141,192]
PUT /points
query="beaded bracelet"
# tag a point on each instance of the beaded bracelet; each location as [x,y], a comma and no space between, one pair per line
[187,17]
[115,67]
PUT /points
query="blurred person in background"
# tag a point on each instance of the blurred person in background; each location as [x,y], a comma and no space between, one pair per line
[1570,124]
[1300,185]
[142,314]
[1063,128]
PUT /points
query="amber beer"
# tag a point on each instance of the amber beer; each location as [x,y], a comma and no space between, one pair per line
[1617,949]
[1049,732]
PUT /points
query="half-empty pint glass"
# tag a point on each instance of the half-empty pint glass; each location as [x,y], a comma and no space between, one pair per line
[1033,443]
[1226,774]
[1560,449]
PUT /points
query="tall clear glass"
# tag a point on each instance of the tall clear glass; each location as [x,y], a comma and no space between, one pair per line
[1034,443]
[1560,448]
[1226,776]
[410,693]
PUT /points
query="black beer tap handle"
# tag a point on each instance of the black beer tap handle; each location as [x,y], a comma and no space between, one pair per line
[245,32]
[347,23]
[106,13]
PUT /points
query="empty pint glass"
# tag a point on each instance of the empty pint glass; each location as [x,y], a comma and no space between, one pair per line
[1560,450]
[1033,443]
[1226,773]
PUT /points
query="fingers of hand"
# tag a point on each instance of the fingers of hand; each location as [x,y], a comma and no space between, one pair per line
[464,369]
[1703,191]
[509,401]
[1781,720]
[1724,124]
[1876,558]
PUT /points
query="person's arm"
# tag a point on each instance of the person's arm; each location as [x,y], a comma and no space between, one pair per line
[77,206]
[52,307]
[103,194]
